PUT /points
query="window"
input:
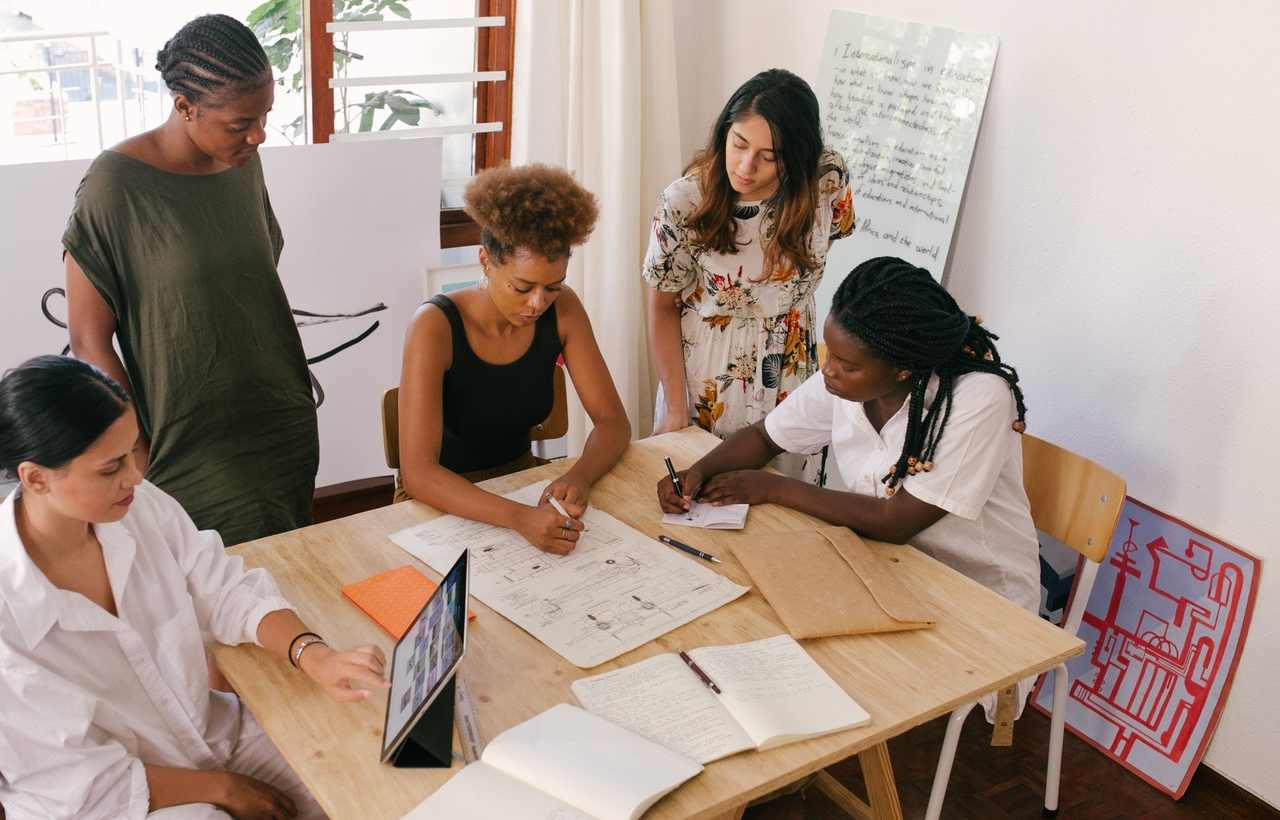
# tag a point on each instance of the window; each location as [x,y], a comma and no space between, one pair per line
[77,76]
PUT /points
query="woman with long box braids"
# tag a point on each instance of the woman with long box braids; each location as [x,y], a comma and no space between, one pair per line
[922,418]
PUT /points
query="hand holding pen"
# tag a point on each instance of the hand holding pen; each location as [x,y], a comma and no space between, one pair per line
[677,490]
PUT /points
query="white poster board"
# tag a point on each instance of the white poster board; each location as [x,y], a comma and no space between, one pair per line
[902,102]
[361,223]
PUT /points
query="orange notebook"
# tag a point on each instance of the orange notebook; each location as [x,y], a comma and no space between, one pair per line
[393,598]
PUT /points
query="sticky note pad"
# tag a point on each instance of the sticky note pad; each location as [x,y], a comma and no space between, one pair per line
[393,598]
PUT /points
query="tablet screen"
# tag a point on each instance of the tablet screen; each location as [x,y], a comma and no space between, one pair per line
[428,653]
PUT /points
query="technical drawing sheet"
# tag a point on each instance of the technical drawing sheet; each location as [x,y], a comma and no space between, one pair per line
[617,590]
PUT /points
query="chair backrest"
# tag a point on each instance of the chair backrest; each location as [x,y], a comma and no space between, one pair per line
[555,425]
[1072,499]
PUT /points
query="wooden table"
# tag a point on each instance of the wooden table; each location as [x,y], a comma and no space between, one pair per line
[981,643]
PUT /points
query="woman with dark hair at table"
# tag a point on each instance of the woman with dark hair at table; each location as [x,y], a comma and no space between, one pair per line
[738,248]
[110,592]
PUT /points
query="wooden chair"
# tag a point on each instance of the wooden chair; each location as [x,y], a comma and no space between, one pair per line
[1078,503]
[556,425]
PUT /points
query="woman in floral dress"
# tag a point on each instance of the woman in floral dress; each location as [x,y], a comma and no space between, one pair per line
[738,248]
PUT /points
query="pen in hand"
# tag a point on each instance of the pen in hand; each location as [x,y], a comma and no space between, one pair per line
[555,503]
[675,479]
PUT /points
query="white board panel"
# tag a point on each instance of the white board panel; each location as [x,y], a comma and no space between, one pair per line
[902,102]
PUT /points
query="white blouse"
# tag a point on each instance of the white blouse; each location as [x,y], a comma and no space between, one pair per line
[987,532]
[86,697]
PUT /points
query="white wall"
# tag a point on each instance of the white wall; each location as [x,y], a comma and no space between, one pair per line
[361,226]
[1115,233]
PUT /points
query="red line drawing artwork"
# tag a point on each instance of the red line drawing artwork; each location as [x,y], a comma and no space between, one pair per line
[1165,625]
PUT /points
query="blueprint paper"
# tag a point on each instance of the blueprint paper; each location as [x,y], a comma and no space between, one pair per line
[619,589]
[1164,628]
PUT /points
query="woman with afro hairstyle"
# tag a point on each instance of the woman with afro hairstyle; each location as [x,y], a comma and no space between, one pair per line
[923,420]
[171,248]
[479,364]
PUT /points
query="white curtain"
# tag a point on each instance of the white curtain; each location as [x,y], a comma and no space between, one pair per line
[594,90]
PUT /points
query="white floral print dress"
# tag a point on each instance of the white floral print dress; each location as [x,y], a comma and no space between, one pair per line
[749,339]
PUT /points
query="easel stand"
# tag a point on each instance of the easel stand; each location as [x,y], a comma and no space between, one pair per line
[430,742]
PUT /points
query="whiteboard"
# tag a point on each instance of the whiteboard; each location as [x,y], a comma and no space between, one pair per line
[361,227]
[902,102]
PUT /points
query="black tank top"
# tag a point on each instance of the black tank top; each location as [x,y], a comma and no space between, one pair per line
[489,408]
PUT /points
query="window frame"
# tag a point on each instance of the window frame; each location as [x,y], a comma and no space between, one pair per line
[495,51]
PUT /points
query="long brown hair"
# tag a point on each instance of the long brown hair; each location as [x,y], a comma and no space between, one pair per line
[790,108]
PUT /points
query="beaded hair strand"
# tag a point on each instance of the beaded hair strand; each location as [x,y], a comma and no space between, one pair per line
[910,321]
[211,53]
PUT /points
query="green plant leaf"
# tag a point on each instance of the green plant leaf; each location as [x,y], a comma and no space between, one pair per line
[400,10]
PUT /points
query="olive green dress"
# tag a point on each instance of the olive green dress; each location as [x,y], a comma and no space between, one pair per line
[187,264]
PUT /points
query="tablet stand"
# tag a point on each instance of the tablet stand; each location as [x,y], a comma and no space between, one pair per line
[429,744]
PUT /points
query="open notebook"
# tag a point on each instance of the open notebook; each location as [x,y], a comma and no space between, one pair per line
[564,764]
[711,517]
[772,693]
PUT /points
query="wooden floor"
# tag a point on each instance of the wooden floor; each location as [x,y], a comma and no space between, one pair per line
[1008,783]
[986,783]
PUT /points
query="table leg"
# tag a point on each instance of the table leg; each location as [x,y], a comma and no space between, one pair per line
[882,792]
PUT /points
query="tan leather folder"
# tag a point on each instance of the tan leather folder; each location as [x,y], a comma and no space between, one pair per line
[830,582]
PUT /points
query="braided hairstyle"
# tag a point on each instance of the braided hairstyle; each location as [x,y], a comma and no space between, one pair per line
[210,54]
[910,321]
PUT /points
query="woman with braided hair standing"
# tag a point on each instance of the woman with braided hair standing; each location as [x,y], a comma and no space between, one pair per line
[171,248]
[923,419]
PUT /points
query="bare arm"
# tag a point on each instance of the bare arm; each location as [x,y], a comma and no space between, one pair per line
[427,353]
[668,353]
[243,797]
[611,430]
[91,324]
[731,474]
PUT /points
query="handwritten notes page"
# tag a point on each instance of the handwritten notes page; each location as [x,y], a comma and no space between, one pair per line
[617,590]
[710,517]
[564,764]
[772,693]
[902,102]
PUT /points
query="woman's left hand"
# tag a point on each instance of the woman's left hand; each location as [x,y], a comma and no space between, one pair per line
[572,493]
[740,487]
[348,677]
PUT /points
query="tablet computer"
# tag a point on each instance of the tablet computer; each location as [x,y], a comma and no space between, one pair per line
[426,658]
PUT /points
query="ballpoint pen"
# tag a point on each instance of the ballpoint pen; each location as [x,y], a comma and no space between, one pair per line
[675,479]
[680,545]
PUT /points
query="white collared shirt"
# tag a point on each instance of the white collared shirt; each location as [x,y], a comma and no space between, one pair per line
[976,478]
[87,697]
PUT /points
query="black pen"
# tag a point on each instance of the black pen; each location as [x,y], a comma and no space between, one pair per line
[675,479]
[680,545]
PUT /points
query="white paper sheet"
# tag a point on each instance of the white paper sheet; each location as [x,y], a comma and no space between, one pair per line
[710,517]
[593,765]
[617,590]
[662,699]
[777,691]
